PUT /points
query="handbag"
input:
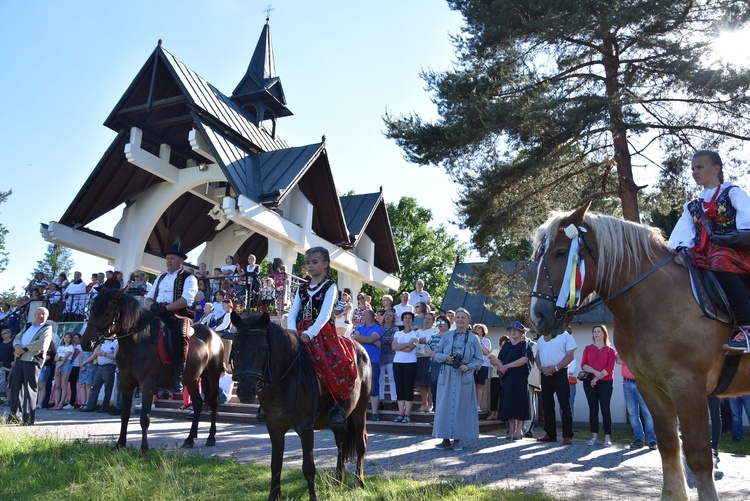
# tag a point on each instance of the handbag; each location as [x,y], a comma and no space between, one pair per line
[585,376]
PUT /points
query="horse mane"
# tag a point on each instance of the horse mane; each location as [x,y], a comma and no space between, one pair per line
[621,245]
[131,311]
[283,346]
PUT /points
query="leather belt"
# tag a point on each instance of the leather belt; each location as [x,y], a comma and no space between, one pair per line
[628,379]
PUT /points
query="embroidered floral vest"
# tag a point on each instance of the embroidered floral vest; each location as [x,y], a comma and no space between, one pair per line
[312,302]
[726,215]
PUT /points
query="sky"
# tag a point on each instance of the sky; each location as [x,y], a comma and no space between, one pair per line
[342,65]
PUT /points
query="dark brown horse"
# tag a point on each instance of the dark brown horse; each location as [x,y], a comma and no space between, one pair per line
[113,312]
[661,333]
[274,362]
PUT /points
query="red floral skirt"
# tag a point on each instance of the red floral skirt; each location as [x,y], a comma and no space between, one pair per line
[718,258]
[333,360]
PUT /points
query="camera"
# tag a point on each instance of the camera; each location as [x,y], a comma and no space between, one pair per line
[457,361]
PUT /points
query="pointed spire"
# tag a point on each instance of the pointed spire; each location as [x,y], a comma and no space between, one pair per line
[260,92]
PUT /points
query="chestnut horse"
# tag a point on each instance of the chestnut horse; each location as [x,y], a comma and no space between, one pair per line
[274,362]
[674,351]
[115,313]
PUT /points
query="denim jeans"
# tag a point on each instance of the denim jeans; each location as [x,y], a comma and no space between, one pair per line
[737,404]
[572,401]
[636,410]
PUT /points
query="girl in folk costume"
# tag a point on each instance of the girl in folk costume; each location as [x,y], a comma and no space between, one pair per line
[333,356]
[725,207]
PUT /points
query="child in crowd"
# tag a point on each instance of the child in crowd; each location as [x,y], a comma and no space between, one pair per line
[267,293]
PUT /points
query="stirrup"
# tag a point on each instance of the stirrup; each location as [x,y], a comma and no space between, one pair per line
[740,343]
[336,418]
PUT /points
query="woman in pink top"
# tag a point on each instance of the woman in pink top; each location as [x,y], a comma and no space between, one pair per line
[599,361]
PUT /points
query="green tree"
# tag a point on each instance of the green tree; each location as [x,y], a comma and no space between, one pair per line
[3,231]
[57,260]
[10,296]
[425,252]
[554,101]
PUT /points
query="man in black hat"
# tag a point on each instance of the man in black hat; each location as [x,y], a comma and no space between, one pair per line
[171,295]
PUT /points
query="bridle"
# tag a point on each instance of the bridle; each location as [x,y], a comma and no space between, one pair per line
[106,333]
[263,378]
[569,313]
[561,312]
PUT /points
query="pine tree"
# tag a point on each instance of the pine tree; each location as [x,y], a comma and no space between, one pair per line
[553,102]
[57,260]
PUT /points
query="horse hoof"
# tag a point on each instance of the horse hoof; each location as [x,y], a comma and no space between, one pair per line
[187,444]
[210,442]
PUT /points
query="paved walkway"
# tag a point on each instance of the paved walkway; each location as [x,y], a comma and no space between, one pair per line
[566,472]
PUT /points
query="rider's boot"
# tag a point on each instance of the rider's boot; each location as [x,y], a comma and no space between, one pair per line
[178,362]
[740,341]
[336,417]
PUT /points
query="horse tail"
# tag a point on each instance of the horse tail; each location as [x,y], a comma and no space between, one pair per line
[349,445]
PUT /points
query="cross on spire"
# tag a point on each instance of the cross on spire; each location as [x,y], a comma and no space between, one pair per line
[268,11]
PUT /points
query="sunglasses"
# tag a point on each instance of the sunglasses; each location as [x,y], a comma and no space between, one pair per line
[441,322]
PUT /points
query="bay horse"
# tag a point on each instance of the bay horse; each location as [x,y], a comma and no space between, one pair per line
[273,363]
[115,313]
[674,351]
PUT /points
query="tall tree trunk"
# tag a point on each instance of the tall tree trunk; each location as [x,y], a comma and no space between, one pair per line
[628,190]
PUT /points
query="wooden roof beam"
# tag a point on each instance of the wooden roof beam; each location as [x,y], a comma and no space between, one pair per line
[161,103]
[200,145]
[158,166]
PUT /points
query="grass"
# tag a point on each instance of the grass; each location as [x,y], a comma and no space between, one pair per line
[35,467]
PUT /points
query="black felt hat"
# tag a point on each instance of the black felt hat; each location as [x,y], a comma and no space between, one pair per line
[176,249]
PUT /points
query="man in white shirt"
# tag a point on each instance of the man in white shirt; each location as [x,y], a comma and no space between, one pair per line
[29,349]
[552,358]
[106,360]
[419,294]
[402,308]
[172,294]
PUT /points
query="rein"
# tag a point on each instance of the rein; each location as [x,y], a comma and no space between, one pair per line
[107,333]
[569,313]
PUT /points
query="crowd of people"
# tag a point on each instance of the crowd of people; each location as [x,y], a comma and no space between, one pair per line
[69,378]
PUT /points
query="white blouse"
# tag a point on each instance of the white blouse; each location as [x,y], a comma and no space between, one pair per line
[683,234]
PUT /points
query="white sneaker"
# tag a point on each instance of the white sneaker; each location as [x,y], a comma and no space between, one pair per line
[68,408]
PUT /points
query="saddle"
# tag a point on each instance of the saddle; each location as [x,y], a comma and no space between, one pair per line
[707,291]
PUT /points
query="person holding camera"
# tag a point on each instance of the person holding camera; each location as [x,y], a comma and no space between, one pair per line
[459,354]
